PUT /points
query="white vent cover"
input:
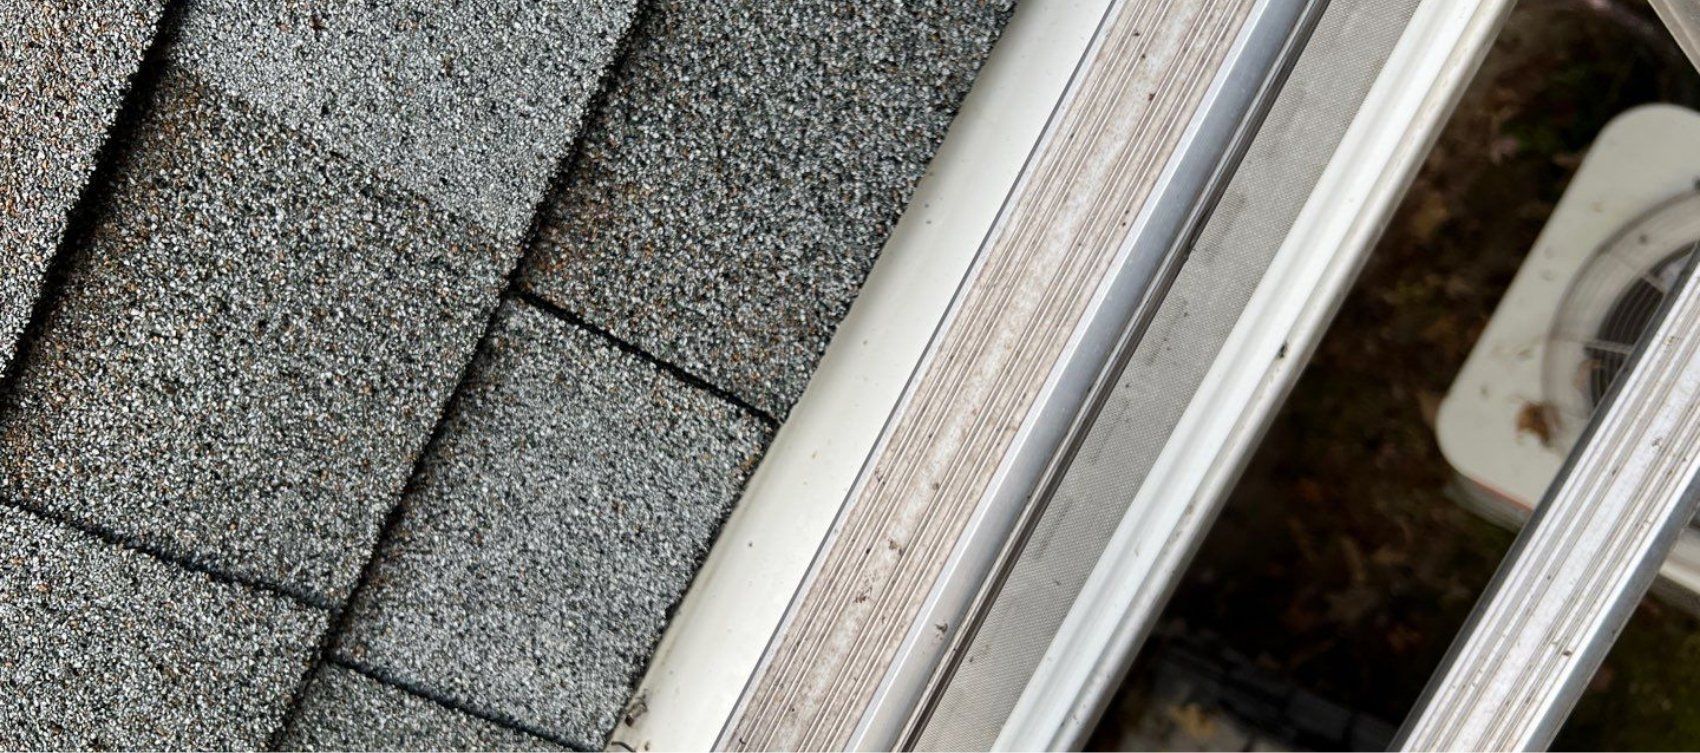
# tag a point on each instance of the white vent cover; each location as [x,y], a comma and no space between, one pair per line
[1573,314]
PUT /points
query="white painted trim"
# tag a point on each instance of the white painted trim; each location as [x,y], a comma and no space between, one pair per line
[739,597]
[1258,364]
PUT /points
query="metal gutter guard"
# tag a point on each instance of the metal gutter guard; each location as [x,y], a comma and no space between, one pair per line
[1281,324]
[723,625]
[1080,251]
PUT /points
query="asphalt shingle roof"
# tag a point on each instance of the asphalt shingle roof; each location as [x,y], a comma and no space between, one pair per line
[746,169]
[469,104]
[103,647]
[243,365]
[289,269]
[345,710]
[63,64]
[563,512]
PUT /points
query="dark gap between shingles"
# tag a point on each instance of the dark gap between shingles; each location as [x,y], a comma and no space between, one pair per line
[212,572]
[81,222]
[343,616]
[84,216]
[502,720]
[549,307]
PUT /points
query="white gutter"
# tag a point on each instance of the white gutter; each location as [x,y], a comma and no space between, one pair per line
[1077,254]
[738,599]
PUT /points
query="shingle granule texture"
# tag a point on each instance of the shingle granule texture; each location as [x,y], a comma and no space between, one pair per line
[345,710]
[63,65]
[750,161]
[104,648]
[571,497]
[243,366]
[468,103]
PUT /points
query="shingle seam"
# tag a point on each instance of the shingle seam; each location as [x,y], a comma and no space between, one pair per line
[501,720]
[635,678]
[536,301]
[80,225]
[84,215]
[342,617]
[212,572]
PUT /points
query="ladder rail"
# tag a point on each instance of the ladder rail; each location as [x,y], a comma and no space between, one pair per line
[1683,18]
[1585,559]
[1260,361]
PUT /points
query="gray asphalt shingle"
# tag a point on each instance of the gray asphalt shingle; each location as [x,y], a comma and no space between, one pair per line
[300,253]
[102,647]
[469,104]
[572,494]
[243,366]
[345,710]
[748,166]
[63,65]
